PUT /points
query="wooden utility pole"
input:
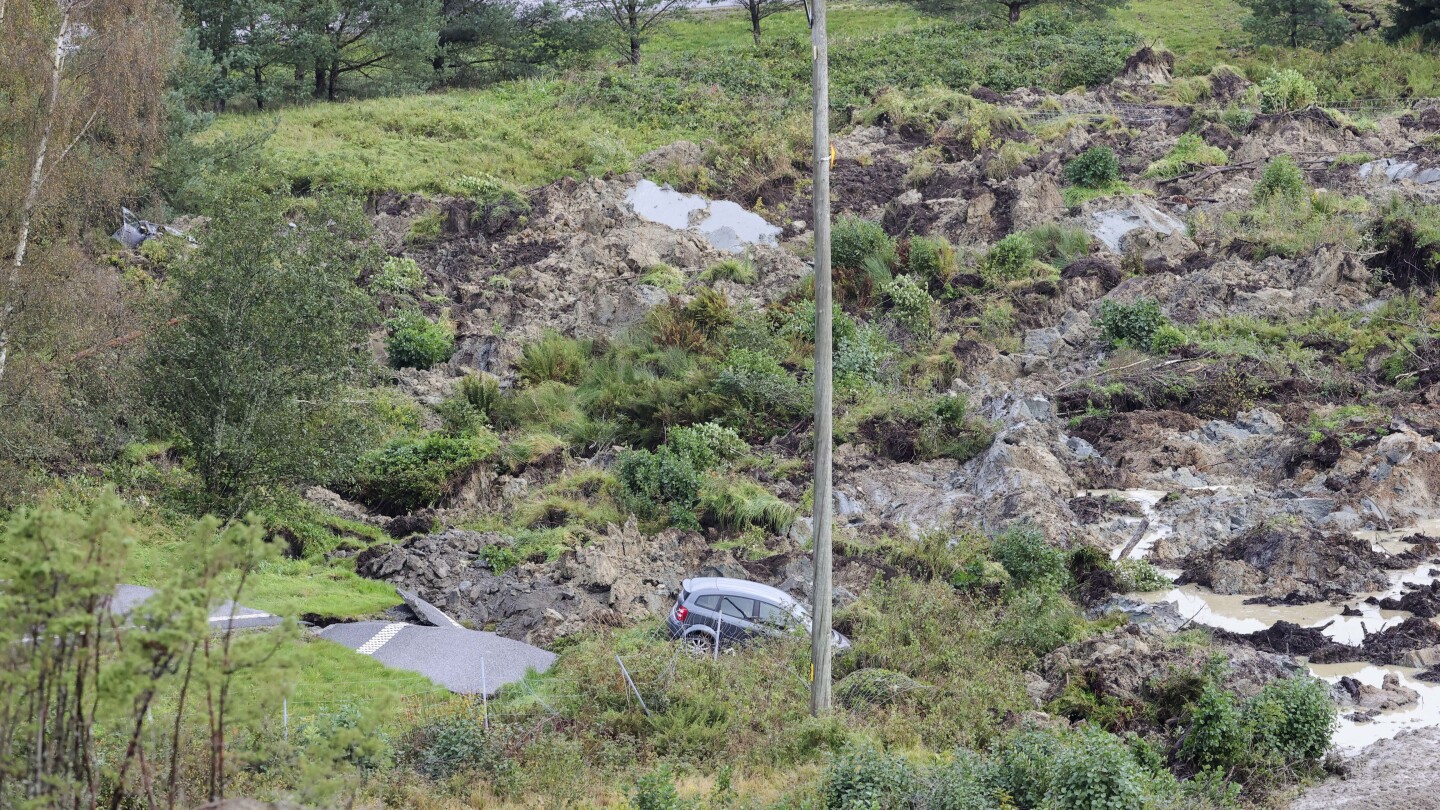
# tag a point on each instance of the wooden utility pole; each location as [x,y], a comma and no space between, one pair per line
[820,610]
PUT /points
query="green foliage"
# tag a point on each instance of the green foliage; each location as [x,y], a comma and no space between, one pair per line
[415,341]
[665,277]
[740,271]
[1010,259]
[1134,324]
[656,791]
[912,306]
[411,473]
[1216,737]
[1296,23]
[707,445]
[932,258]
[426,228]
[1293,718]
[1281,179]
[1024,767]
[1038,620]
[1096,771]
[863,777]
[861,358]
[1058,244]
[1285,91]
[917,428]
[660,483]
[1028,556]
[261,338]
[1408,234]
[756,385]
[553,358]
[1095,168]
[457,744]
[398,276]
[1140,576]
[1188,154]
[737,504]
[1418,17]
[854,241]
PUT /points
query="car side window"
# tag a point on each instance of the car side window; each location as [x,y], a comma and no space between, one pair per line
[737,607]
[710,601]
[774,614]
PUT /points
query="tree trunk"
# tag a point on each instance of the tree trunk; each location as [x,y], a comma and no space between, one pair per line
[259,88]
[633,28]
[332,85]
[1015,12]
[32,192]
[319,79]
[755,20]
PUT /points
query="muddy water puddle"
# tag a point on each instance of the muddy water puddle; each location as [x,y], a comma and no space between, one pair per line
[1230,612]
[725,224]
[1351,735]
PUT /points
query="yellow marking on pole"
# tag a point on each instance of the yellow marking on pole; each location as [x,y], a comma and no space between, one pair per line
[832,155]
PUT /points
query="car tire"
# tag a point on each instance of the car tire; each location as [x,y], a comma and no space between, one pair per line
[700,645]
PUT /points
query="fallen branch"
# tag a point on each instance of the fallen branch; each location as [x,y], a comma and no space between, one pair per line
[1107,371]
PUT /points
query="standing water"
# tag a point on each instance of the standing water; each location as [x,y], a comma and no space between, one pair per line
[725,224]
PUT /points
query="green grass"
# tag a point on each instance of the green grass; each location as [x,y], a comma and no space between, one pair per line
[1198,33]
[295,587]
[703,29]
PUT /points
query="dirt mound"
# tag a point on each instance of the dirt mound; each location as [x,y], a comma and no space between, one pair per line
[1286,638]
[1282,560]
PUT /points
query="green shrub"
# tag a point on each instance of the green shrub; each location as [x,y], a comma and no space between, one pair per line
[1216,736]
[860,358]
[932,258]
[665,277]
[415,341]
[553,358]
[956,784]
[1058,244]
[1188,154]
[659,483]
[706,444]
[710,311]
[656,791]
[1010,259]
[1096,771]
[1037,621]
[1287,90]
[863,777]
[426,228]
[1139,575]
[1095,168]
[756,386]
[1281,179]
[1024,766]
[1028,556]
[734,505]
[399,276]
[854,241]
[1294,718]
[1134,324]
[408,474]
[740,271]
[442,748]
[1167,339]
[912,306]
[481,392]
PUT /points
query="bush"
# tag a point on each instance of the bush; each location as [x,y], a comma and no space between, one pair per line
[864,778]
[409,474]
[740,271]
[932,258]
[1024,767]
[442,748]
[1293,718]
[710,311]
[1216,736]
[734,505]
[1096,771]
[553,358]
[706,444]
[665,277]
[1028,556]
[854,241]
[1059,244]
[1287,90]
[1134,324]
[956,784]
[1095,168]
[1167,339]
[659,483]
[1282,179]
[398,276]
[481,392]
[1188,154]
[1037,621]
[860,358]
[1010,259]
[757,387]
[415,341]
[656,791]
[912,306]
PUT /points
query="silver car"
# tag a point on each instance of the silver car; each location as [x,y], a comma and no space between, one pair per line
[712,612]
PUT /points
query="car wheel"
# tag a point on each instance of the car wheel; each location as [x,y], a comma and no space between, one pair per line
[699,645]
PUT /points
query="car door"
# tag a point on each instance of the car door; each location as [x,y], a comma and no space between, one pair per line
[773,619]
[737,617]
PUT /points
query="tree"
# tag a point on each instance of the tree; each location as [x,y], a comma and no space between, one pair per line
[365,37]
[266,330]
[1015,7]
[1420,17]
[758,10]
[632,18]
[1296,23]
[482,41]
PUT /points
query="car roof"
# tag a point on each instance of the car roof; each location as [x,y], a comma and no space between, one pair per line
[740,587]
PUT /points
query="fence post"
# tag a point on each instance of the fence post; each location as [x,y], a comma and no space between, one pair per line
[484,694]
[285,716]
[628,680]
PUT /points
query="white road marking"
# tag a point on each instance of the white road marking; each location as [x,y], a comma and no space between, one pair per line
[378,640]
[238,616]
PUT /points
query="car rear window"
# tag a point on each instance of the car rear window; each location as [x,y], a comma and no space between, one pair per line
[710,601]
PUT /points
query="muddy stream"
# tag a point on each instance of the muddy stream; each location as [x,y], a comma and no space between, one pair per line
[1201,606]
